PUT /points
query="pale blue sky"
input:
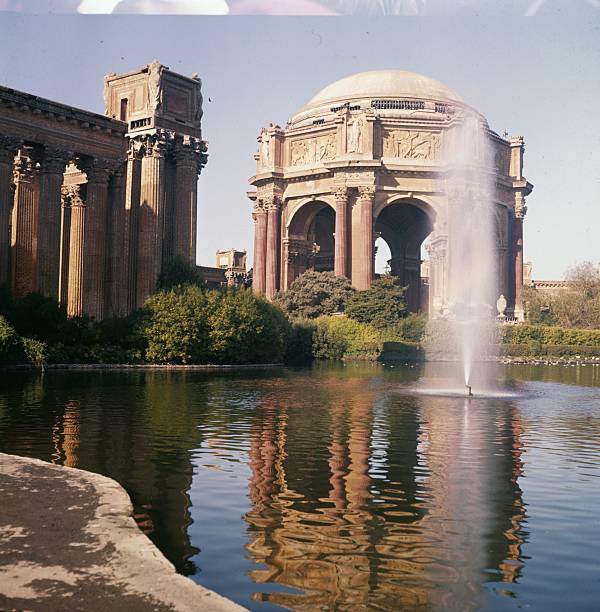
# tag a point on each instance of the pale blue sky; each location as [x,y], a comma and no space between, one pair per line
[534,77]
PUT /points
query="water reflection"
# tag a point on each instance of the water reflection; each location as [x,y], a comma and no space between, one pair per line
[352,493]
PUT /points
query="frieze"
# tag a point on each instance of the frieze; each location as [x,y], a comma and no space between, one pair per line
[412,144]
[313,150]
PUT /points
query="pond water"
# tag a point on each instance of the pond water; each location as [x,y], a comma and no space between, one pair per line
[338,487]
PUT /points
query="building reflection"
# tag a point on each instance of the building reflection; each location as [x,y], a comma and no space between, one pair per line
[391,503]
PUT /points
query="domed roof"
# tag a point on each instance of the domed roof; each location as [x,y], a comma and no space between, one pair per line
[384,84]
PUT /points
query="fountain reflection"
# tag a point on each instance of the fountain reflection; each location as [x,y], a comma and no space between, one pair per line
[419,508]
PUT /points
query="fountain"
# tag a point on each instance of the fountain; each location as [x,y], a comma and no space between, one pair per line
[467,329]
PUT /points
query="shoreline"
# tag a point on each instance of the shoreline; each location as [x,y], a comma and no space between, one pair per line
[69,540]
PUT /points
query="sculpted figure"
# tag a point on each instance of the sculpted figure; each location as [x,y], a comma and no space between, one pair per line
[155,86]
[355,135]
[264,147]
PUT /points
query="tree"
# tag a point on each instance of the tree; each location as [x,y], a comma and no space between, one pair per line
[176,327]
[177,272]
[314,294]
[245,328]
[381,306]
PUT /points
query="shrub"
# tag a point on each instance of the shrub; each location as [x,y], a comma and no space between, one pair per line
[316,294]
[35,351]
[176,327]
[339,337]
[41,318]
[300,343]
[9,342]
[381,306]
[245,328]
[411,329]
[541,335]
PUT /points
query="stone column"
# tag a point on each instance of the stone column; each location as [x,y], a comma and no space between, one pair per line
[69,192]
[130,222]
[187,167]
[52,169]
[116,262]
[96,234]
[151,217]
[365,267]
[273,244]
[24,226]
[517,237]
[8,150]
[259,275]
[341,232]
[76,251]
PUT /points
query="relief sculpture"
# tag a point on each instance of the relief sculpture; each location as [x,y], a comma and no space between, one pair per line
[409,144]
[313,150]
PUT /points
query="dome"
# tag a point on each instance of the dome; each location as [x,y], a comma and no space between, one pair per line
[384,84]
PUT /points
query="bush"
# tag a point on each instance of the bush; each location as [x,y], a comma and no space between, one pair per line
[541,335]
[316,294]
[176,327]
[9,342]
[35,351]
[381,306]
[245,328]
[339,337]
[411,329]
[300,343]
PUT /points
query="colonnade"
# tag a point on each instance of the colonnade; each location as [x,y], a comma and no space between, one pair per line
[95,232]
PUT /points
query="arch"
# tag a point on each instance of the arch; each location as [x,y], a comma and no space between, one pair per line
[310,241]
[404,224]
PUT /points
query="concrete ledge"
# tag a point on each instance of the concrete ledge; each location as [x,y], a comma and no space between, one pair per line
[68,542]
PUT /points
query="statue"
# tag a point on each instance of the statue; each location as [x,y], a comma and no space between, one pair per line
[155,86]
[264,147]
[501,305]
[355,136]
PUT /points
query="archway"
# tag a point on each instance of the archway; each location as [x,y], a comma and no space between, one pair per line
[311,240]
[404,225]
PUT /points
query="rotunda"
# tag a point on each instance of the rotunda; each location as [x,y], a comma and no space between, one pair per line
[363,160]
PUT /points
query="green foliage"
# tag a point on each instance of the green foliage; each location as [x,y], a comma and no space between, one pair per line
[176,328]
[41,318]
[339,337]
[316,294]
[35,351]
[411,328]
[300,343]
[538,335]
[9,342]
[179,272]
[578,305]
[549,350]
[245,328]
[381,306]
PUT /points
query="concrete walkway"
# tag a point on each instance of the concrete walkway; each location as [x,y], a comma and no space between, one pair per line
[68,542]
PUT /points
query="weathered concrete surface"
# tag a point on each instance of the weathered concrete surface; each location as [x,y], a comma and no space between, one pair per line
[68,542]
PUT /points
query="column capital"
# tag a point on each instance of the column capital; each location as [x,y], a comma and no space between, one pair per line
[135,149]
[24,169]
[520,206]
[9,146]
[157,145]
[99,170]
[272,202]
[71,195]
[367,192]
[340,193]
[53,160]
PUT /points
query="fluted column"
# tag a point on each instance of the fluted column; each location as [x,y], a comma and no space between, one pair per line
[259,273]
[8,150]
[96,234]
[130,221]
[68,193]
[517,236]
[341,232]
[76,252]
[365,268]
[24,226]
[187,166]
[52,168]
[116,302]
[151,217]
[273,246]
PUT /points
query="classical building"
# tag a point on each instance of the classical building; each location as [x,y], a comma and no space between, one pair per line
[230,270]
[93,206]
[362,160]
